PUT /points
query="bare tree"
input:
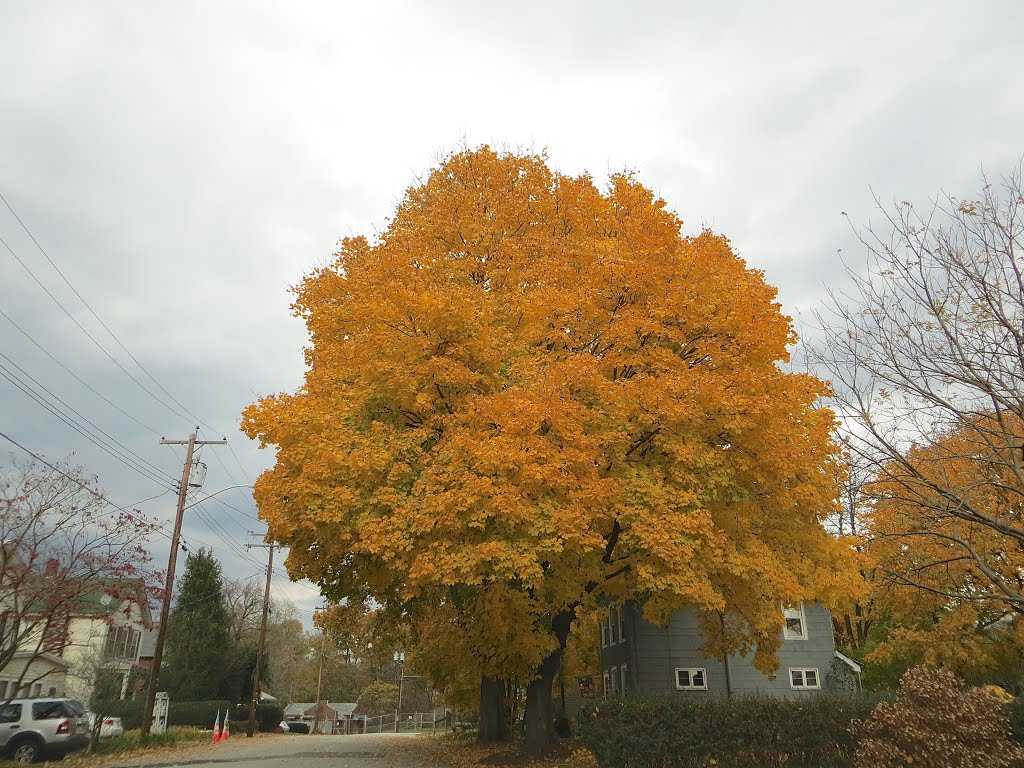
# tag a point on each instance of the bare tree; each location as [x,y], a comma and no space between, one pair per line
[64,546]
[926,356]
[244,600]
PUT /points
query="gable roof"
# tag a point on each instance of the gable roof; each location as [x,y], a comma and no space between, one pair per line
[308,709]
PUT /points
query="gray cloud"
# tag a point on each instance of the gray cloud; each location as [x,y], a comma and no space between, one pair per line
[185,166]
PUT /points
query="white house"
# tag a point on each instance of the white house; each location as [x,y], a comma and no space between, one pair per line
[104,641]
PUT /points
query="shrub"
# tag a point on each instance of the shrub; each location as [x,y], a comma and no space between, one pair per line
[678,731]
[298,727]
[201,714]
[1015,711]
[937,722]
[198,714]
[130,712]
[268,717]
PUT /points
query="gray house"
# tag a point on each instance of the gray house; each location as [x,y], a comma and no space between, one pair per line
[637,655]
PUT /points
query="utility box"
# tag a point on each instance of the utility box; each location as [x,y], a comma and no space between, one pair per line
[197,475]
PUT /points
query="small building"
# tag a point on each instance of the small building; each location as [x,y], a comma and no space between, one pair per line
[333,718]
[637,655]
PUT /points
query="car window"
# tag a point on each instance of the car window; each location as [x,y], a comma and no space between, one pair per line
[47,710]
[10,714]
[74,708]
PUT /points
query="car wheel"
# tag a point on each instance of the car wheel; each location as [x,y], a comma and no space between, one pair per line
[27,751]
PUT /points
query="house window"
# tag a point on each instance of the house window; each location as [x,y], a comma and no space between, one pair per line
[691,679]
[796,623]
[623,678]
[3,690]
[622,635]
[607,683]
[613,625]
[37,690]
[614,680]
[122,643]
[804,679]
[605,627]
[53,691]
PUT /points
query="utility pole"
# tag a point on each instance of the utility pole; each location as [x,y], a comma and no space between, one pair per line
[250,728]
[172,560]
[320,674]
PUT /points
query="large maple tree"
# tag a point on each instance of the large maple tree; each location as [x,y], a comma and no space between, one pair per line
[529,393]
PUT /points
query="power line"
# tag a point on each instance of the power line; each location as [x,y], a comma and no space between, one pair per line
[79,428]
[82,485]
[96,427]
[243,513]
[91,338]
[77,378]
[98,318]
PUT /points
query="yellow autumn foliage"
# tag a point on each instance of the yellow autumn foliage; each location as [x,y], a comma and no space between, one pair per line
[539,392]
[945,548]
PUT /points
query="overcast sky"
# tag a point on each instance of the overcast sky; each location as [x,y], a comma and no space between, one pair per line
[183,164]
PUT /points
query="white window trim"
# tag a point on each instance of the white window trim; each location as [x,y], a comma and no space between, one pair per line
[607,683]
[605,631]
[803,676]
[615,680]
[691,686]
[786,634]
[623,678]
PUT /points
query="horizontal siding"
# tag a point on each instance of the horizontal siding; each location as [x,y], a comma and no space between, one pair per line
[658,651]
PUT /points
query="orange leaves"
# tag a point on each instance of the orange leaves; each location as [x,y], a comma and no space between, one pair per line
[523,363]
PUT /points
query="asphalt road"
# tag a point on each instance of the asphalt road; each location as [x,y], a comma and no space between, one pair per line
[296,751]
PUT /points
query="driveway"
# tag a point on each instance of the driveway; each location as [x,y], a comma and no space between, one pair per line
[296,751]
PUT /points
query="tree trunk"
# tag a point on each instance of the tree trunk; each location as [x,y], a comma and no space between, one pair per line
[493,724]
[538,717]
[539,710]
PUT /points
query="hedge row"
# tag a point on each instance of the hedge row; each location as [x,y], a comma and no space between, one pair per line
[673,731]
[200,714]
[130,712]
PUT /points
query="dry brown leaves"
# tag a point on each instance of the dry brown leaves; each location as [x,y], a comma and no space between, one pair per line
[460,753]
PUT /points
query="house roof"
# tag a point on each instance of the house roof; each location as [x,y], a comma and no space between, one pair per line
[308,709]
[53,659]
[849,662]
[102,603]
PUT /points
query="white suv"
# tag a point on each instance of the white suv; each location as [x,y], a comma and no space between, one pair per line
[31,729]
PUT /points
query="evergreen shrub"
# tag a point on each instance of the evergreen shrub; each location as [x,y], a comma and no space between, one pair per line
[199,714]
[268,717]
[757,731]
[130,712]
[1015,711]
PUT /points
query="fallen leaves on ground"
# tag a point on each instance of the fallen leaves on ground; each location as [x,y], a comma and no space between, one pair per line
[459,753]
